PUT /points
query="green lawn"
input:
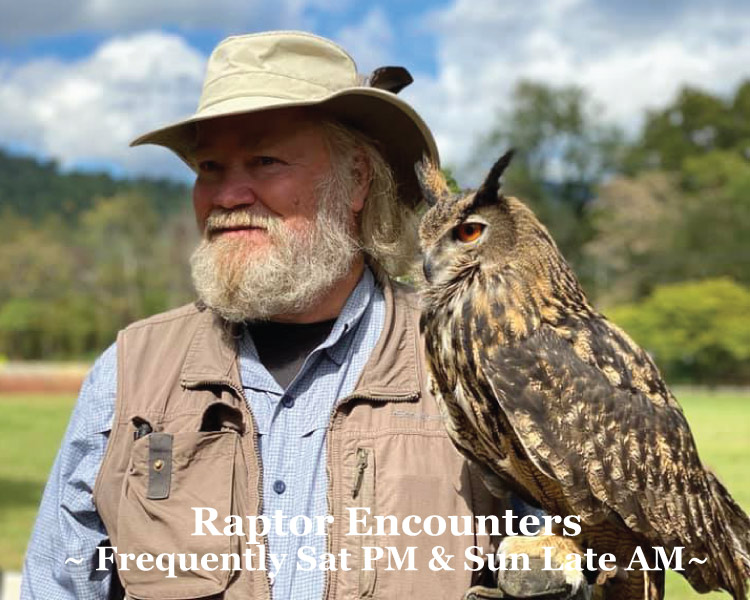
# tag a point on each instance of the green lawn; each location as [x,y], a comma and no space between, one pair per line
[30,432]
[721,425]
[32,426]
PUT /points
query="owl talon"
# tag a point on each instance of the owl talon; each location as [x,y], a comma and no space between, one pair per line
[543,549]
[614,575]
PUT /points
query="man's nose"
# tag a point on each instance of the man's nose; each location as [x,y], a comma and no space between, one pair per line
[237,189]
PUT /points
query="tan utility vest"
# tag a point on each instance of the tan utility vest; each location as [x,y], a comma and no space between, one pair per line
[386,451]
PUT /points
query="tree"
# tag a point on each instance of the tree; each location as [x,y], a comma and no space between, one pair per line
[39,290]
[563,149]
[119,234]
[84,254]
[636,223]
[696,123]
[716,217]
[35,189]
[658,227]
[171,251]
[696,331]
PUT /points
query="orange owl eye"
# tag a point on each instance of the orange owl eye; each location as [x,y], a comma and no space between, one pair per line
[468,232]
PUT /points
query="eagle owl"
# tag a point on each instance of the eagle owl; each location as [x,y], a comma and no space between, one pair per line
[555,402]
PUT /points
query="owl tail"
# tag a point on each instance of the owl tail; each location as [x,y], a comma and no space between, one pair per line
[734,569]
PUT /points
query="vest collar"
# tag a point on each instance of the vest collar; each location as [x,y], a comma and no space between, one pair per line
[393,370]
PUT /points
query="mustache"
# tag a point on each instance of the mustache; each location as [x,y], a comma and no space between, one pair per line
[238,218]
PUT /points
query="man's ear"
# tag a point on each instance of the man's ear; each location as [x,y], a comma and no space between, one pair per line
[362,177]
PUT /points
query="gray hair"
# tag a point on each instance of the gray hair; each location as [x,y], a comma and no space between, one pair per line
[387,227]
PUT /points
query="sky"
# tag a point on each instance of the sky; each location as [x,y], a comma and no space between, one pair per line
[79,79]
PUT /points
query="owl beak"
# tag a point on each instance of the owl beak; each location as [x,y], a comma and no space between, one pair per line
[427,269]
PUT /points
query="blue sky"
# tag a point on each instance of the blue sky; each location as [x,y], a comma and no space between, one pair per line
[80,78]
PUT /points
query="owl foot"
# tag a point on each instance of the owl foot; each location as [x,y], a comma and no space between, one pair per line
[552,564]
[614,575]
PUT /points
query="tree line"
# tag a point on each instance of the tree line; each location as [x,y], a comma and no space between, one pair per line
[657,228]
[76,271]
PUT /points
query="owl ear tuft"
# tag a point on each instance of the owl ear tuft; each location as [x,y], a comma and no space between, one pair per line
[431,181]
[489,189]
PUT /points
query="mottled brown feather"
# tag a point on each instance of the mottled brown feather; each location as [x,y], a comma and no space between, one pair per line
[561,405]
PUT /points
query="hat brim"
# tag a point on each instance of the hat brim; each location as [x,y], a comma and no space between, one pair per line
[403,136]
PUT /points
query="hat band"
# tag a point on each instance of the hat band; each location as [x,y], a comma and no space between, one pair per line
[265,84]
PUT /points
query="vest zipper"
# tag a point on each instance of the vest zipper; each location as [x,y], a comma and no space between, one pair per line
[361,467]
[403,398]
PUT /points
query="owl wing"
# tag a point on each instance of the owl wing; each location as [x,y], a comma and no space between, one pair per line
[612,450]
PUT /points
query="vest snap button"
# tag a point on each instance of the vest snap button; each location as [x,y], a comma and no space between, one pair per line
[158,464]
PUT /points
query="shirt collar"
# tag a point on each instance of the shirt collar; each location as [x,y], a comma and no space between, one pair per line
[394,370]
[335,345]
[350,316]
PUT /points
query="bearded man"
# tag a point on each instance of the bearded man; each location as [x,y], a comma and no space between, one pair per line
[294,387]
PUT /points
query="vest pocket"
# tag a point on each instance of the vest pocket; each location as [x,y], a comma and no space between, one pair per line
[363,495]
[168,476]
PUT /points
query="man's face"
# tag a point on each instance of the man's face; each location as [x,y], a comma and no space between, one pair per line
[278,226]
[268,163]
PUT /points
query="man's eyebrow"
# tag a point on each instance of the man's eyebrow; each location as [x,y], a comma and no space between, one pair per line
[201,146]
[250,144]
[198,148]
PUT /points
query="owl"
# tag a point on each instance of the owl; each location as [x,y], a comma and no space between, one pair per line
[558,404]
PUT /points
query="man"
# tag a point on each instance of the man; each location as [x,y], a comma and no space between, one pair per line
[295,386]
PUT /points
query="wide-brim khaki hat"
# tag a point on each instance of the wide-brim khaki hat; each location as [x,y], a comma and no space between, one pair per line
[281,69]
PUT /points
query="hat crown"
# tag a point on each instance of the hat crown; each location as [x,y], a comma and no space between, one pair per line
[286,65]
[287,69]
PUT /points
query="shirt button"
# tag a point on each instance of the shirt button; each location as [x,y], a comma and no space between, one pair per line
[288,402]
[279,486]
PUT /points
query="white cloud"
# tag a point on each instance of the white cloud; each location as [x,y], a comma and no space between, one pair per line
[89,111]
[370,42]
[485,48]
[41,17]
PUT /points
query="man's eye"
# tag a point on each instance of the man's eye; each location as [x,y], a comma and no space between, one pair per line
[208,166]
[267,160]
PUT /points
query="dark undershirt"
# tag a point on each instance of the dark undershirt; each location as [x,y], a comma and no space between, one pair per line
[283,347]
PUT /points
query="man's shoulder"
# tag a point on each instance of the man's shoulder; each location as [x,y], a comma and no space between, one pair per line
[404,293]
[167,336]
[403,286]
[185,312]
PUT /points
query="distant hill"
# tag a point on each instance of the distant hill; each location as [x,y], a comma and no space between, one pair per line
[34,188]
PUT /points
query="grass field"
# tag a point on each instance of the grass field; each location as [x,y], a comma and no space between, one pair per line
[30,432]
[32,426]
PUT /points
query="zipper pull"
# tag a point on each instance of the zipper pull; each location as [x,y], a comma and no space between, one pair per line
[361,466]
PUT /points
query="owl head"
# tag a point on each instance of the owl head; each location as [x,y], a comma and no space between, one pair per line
[481,228]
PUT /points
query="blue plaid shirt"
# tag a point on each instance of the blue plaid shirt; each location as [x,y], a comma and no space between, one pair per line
[292,425]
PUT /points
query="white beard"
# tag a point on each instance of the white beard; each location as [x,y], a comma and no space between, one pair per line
[243,283]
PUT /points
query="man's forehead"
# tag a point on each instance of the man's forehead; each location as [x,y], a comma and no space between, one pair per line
[257,128]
